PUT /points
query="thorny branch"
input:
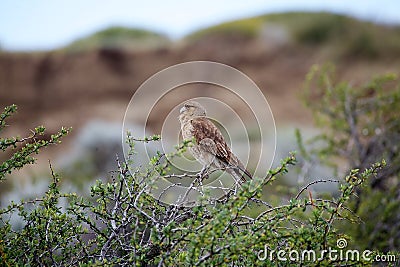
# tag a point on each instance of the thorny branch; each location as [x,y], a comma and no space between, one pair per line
[124,222]
[149,224]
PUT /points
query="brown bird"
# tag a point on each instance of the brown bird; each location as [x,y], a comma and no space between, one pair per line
[209,148]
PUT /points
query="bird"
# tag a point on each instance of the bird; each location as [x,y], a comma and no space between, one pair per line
[209,147]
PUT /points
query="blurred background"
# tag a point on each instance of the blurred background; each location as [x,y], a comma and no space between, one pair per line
[78,63]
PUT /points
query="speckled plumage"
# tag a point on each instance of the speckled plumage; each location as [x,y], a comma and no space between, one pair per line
[210,148]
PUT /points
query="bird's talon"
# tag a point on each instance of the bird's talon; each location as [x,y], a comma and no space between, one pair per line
[202,175]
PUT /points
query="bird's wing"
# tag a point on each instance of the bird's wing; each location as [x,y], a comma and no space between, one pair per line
[204,131]
[210,138]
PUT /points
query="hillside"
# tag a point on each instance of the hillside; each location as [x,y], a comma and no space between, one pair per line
[119,38]
[345,36]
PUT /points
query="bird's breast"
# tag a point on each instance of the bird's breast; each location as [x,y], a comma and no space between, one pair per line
[187,130]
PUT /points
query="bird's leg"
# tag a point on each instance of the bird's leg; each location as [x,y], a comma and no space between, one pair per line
[202,174]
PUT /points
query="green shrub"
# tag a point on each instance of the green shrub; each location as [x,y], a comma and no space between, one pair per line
[121,224]
[360,125]
[323,29]
[23,149]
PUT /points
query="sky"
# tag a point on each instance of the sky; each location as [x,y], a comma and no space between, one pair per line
[49,24]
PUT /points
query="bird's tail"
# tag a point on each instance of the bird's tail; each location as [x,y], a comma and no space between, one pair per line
[239,172]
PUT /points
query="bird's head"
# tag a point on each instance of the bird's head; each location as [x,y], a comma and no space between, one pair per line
[191,109]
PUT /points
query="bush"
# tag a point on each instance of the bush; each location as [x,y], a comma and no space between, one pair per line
[322,30]
[121,224]
[360,125]
[23,148]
